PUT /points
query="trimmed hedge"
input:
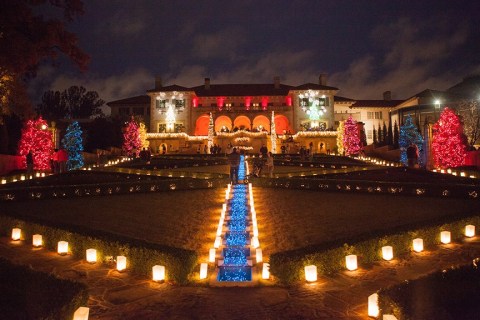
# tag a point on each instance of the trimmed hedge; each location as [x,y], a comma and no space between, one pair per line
[446,294]
[288,266]
[29,294]
[141,255]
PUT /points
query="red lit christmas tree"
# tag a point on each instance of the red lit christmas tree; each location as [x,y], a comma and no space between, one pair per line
[351,137]
[37,138]
[131,139]
[448,147]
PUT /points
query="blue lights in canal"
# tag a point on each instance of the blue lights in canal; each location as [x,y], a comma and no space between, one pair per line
[235,264]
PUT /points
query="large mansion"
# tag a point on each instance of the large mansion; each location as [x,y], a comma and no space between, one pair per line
[245,114]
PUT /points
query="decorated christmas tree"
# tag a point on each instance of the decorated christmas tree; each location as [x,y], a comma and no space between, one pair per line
[340,131]
[37,138]
[142,131]
[210,132]
[448,147]
[131,139]
[351,137]
[273,134]
[409,134]
[72,142]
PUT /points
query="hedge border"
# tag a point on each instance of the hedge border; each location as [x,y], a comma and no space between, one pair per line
[141,255]
[288,266]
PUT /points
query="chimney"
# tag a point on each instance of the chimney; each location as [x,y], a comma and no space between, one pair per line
[276,82]
[322,79]
[387,95]
[207,83]
[158,83]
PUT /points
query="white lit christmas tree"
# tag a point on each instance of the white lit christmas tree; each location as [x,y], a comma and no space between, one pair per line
[210,132]
[142,131]
[273,134]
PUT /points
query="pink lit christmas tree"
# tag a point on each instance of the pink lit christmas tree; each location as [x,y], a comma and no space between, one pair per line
[351,137]
[448,147]
[131,139]
[37,138]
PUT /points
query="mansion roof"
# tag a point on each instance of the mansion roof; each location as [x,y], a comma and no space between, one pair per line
[229,90]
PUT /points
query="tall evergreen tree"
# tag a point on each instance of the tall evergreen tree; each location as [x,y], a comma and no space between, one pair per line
[396,135]
[384,134]
[375,140]
[380,135]
[142,132]
[409,134]
[448,146]
[73,143]
[390,134]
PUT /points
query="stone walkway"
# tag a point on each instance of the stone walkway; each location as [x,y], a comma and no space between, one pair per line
[115,295]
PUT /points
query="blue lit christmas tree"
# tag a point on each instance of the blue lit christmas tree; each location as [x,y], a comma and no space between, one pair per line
[72,142]
[409,134]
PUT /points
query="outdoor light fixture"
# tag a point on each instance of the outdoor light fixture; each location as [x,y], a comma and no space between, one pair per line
[255,242]
[37,240]
[470,231]
[418,245]
[373,309]
[81,313]
[387,252]
[266,271]
[91,255]
[62,248]
[351,262]
[211,255]
[121,263]
[16,234]
[258,255]
[158,273]
[203,270]
[218,242]
[311,273]
[445,237]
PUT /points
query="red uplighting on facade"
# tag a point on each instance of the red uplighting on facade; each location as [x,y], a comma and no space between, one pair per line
[195,102]
[220,101]
[264,103]
[248,103]
[289,101]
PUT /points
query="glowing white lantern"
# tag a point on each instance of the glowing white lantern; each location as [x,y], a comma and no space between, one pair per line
[311,273]
[37,240]
[211,255]
[445,237]
[462,174]
[91,255]
[22,177]
[266,271]
[418,245]
[121,263]
[62,247]
[259,255]
[449,171]
[255,242]
[373,309]
[203,270]
[218,242]
[16,234]
[4,181]
[81,313]
[470,231]
[387,253]
[351,262]
[42,174]
[158,273]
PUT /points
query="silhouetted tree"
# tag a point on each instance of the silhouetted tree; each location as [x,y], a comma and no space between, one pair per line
[396,135]
[390,134]
[74,102]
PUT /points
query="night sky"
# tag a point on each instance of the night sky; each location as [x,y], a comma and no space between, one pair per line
[366,47]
